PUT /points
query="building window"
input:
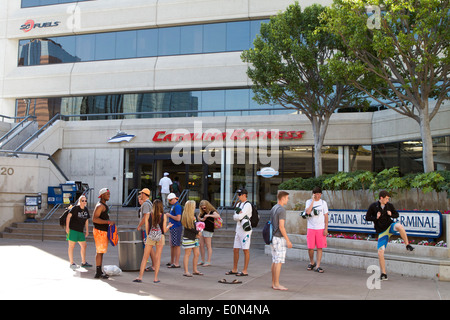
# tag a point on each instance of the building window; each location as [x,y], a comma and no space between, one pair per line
[39,3]
[196,39]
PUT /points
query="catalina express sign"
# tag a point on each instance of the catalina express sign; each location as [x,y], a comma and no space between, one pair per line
[426,224]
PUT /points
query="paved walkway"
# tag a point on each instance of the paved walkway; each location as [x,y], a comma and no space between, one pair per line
[40,270]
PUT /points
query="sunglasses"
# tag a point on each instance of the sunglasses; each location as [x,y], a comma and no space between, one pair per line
[83,200]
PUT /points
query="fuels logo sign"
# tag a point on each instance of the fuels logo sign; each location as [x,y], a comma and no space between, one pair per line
[30,25]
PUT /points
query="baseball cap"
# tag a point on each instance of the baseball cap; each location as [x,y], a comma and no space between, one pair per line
[146,191]
[171,196]
[102,191]
[166,174]
[242,191]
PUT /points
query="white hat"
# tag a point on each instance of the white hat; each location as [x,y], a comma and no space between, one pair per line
[171,196]
[166,174]
[102,191]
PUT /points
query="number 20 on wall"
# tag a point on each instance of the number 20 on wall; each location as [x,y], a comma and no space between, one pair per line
[4,171]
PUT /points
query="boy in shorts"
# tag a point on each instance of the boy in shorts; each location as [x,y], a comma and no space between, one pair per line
[382,213]
[317,228]
[280,240]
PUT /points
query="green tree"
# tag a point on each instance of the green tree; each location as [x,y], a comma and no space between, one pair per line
[288,65]
[401,55]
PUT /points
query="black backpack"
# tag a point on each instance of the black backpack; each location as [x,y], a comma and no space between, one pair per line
[254,219]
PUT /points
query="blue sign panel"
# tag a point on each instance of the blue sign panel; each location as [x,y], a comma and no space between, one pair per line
[427,224]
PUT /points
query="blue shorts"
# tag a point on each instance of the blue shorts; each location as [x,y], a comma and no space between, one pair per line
[383,238]
[175,236]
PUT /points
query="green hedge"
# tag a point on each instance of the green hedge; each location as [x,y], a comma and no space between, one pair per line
[388,179]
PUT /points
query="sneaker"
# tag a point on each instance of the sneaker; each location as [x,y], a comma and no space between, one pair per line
[383,276]
[409,247]
[101,276]
[73,266]
[86,265]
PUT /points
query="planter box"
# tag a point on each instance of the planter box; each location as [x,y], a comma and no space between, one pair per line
[359,199]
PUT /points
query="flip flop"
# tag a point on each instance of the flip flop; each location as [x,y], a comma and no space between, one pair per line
[235,281]
[319,270]
[137,280]
[172,266]
[311,267]
[197,273]
[187,275]
[241,274]
[230,272]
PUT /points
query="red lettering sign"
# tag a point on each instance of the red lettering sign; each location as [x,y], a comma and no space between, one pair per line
[238,134]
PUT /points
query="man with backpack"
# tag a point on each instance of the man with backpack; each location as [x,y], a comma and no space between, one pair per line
[280,240]
[243,215]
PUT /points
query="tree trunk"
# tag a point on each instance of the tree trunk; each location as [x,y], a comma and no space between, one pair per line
[319,130]
[427,141]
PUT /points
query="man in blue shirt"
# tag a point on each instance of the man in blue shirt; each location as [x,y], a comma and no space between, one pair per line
[176,231]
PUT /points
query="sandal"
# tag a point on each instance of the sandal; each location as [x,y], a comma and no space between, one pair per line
[235,281]
[319,270]
[187,275]
[149,269]
[172,266]
[137,280]
[230,272]
[197,273]
[241,274]
[311,267]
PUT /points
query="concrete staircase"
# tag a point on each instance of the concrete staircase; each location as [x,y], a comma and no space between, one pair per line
[125,218]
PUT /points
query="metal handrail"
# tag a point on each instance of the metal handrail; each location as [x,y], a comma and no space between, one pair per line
[37,154]
[6,136]
[37,133]
[130,197]
[184,194]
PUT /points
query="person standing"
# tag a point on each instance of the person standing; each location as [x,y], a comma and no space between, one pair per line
[144,213]
[190,238]
[207,214]
[101,222]
[317,228]
[156,219]
[164,188]
[382,214]
[176,231]
[77,229]
[243,213]
[280,240]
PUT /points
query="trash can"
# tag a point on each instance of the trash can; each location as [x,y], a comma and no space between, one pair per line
[131,250]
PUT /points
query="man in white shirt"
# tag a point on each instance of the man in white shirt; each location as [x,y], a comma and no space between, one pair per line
[317,228]
[164,188]
[242,237]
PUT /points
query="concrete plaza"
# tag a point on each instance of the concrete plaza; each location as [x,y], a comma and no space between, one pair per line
[40,270]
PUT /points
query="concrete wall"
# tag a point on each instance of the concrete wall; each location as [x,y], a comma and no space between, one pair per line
[23,177]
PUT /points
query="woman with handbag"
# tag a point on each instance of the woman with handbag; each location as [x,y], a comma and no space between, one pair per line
[190,242]
[207,214]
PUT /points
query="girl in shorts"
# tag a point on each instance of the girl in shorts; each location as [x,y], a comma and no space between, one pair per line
[77,229]
[190,238]
[207,214]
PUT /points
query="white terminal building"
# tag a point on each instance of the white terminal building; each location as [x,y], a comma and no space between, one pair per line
[164,72]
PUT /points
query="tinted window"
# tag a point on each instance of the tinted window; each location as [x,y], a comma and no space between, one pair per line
[214,37]
[147,41]
[126,44]
[169,41]
[191,39]
[85,47]
[238,36]
[105,46]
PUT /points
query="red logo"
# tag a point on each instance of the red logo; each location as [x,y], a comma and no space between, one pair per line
[27,26]
[30,24]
